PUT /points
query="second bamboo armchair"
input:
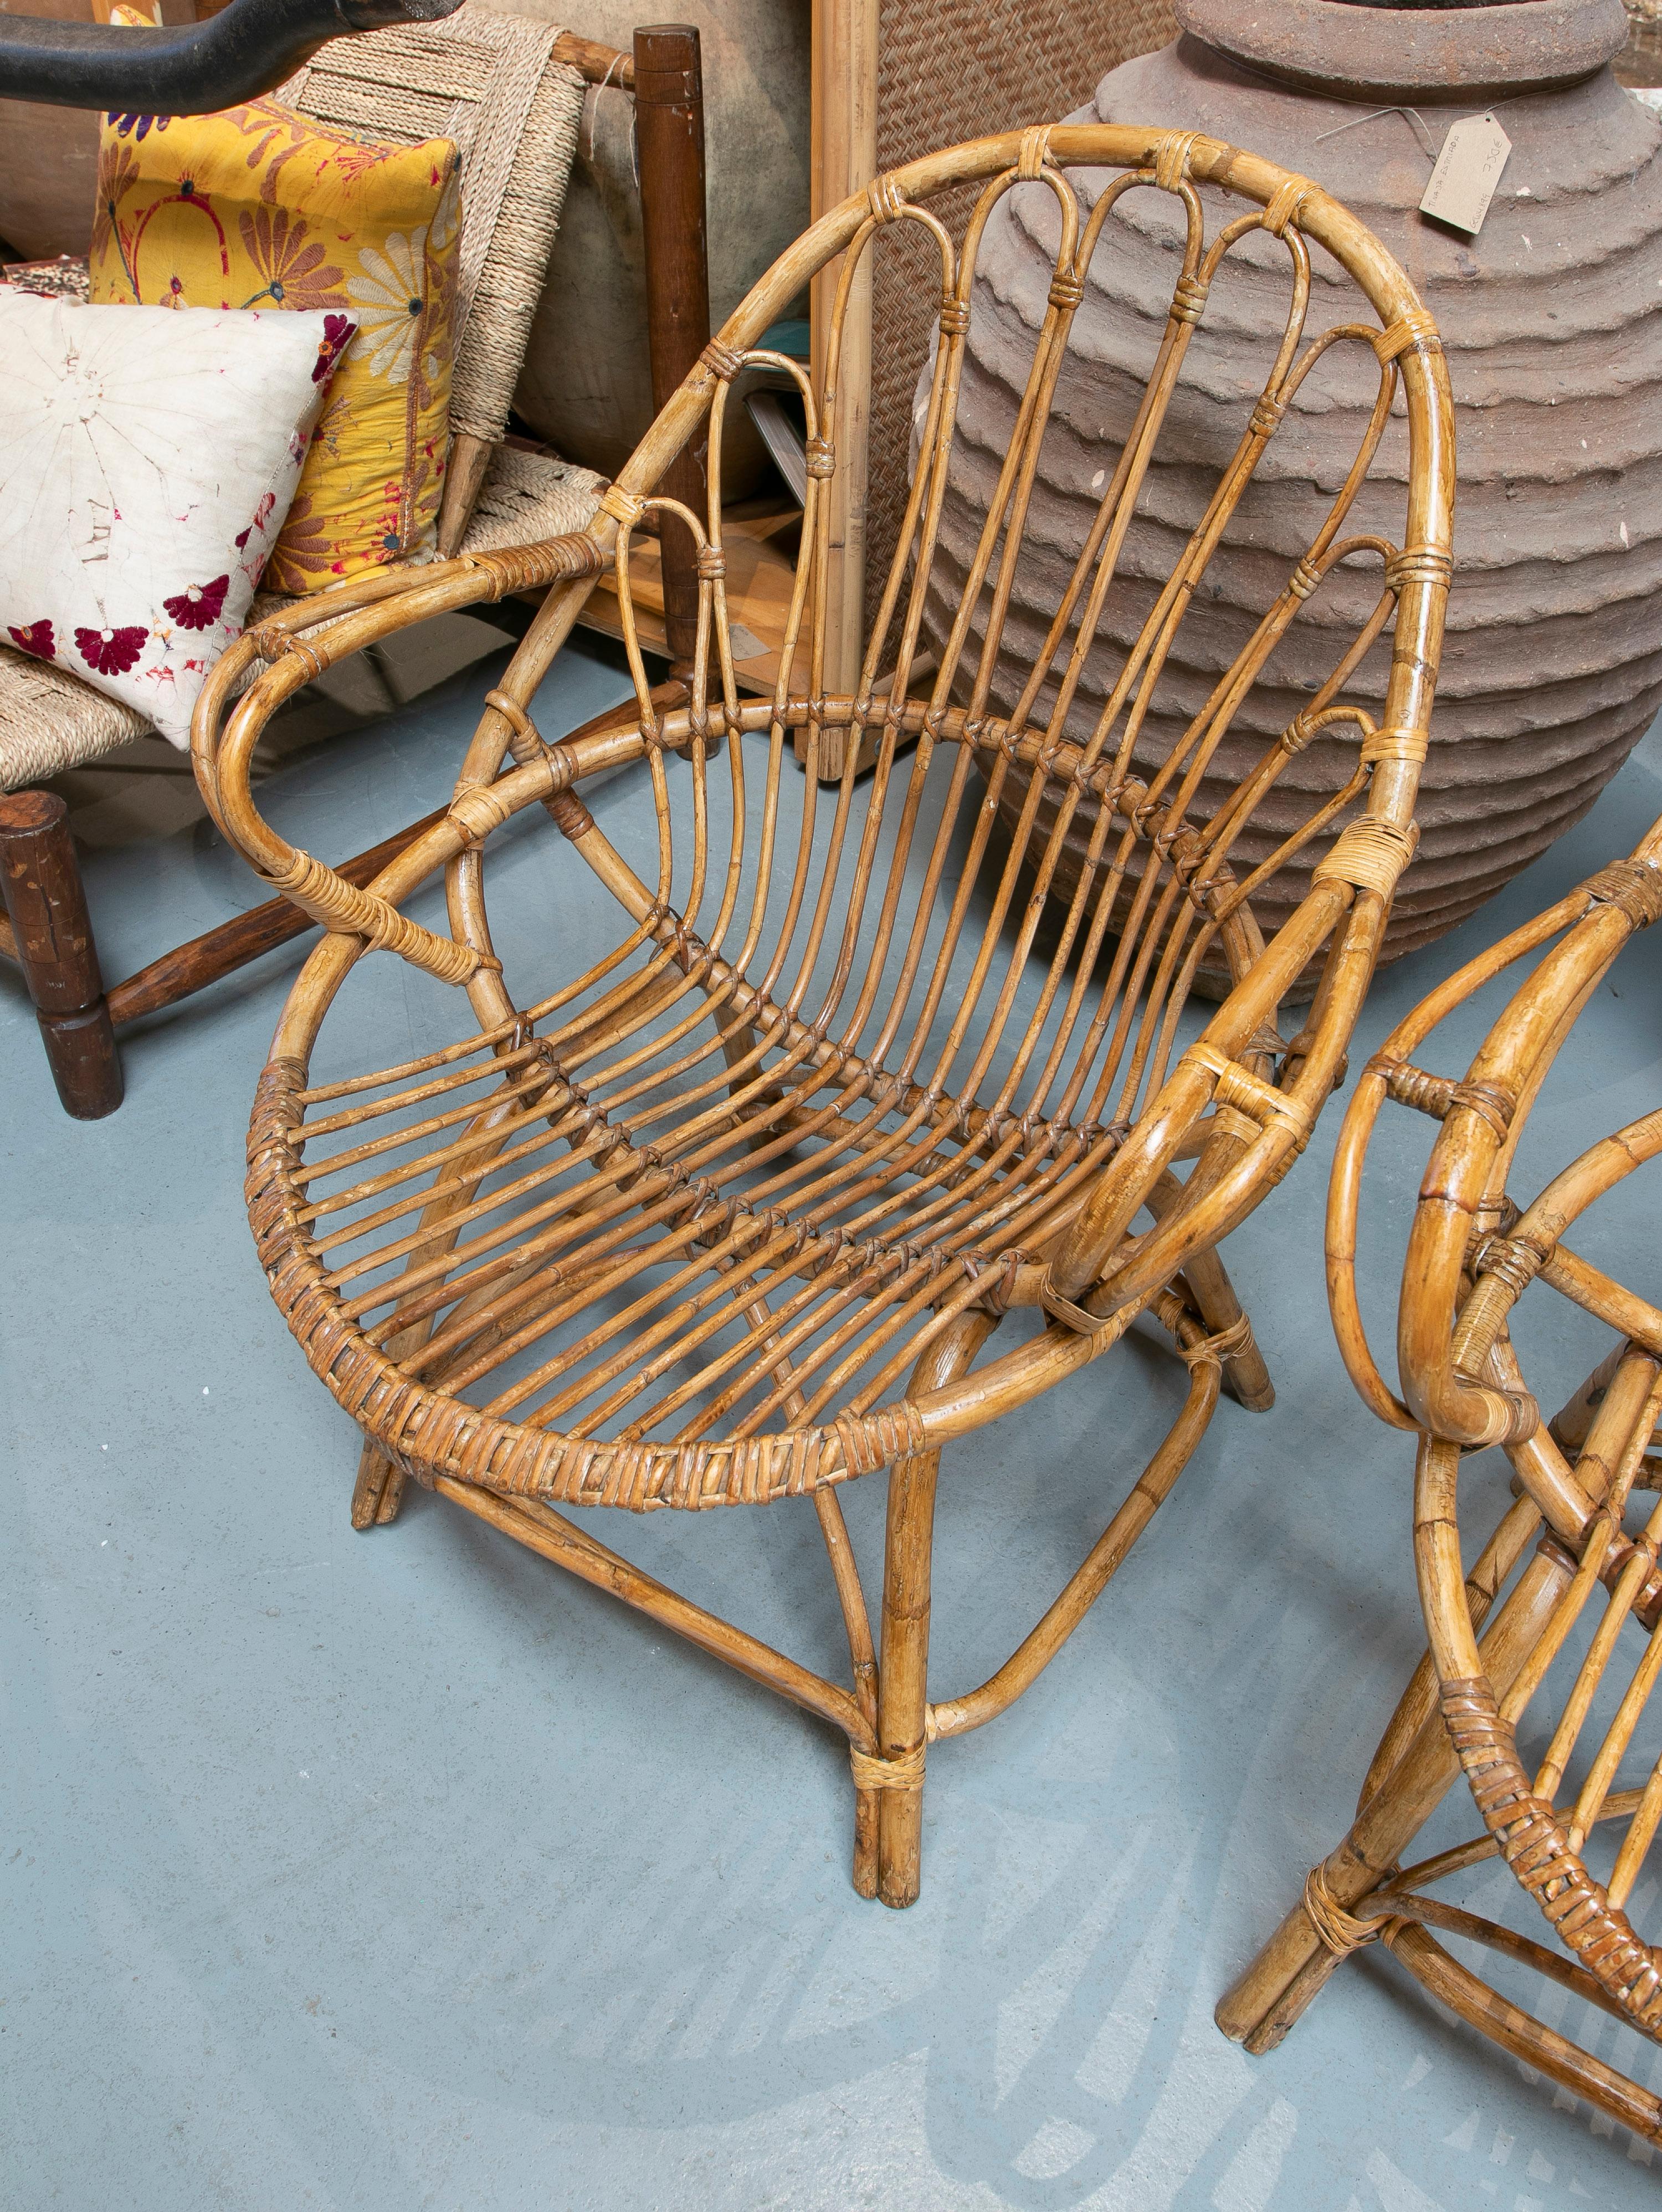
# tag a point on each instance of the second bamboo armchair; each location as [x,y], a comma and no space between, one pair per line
[726,1217]
[1524,1688]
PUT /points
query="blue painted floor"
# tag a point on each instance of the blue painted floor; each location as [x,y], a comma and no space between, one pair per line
[398,1871]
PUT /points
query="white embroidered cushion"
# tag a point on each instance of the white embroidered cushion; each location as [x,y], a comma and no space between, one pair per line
[148,457]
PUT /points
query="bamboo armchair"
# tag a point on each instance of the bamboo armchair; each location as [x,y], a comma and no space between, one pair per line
[1544,1660]
[726,1217]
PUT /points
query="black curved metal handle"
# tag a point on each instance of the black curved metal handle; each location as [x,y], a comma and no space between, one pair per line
[190,69]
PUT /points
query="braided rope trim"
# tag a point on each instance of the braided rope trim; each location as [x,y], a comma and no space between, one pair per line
[1536,1847]
[905,1771]
[426,1434]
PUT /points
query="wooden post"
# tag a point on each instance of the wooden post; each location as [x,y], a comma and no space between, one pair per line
[669,102]
[843,159]
[40,878]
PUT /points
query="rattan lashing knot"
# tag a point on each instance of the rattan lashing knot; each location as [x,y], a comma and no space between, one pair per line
[1369,855]
[1419,564]
[1396,741]
[953,317]
[1413,328]
[904,1770]
[271,644]
[1341,1930]
[476,812]
[1066,291]
[822,457]
[1490,1102]
[1267,416]
[1413,1086]
[1516,1263]
[712,563]
[1033,152]
[878,1438]
[994,1279]
[1285,204]
[1304,579]
[624,507]
[1171,158]
[885,199]
[721,361]
[569,815]
[1632,887]
[1236,1087]
[1189,299]
[1223,1345]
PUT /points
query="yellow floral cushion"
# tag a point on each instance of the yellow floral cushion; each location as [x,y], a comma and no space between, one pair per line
[258,207]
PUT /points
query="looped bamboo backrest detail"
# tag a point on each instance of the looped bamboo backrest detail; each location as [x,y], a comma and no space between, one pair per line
[850,1039]
[1473,1256]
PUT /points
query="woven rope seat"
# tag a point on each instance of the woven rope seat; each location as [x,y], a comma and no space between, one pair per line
[1544,1653]
[717,1187]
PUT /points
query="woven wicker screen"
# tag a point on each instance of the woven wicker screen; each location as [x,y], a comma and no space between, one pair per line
[951,69]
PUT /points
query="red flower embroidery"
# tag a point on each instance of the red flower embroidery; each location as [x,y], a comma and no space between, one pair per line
[36,638]
[338,331]
[111,652]
[197,607]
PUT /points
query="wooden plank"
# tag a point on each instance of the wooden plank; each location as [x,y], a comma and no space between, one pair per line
[843,160]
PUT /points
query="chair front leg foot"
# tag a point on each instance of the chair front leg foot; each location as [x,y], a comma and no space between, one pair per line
[379,1491]
[902,1678]
[1298,1962]
[868,1812]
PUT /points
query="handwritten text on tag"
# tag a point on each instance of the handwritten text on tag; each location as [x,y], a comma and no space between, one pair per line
[1468,169]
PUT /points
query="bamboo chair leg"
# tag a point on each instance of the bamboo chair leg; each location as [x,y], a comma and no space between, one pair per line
[1272,1995]
[903,1669]
[1246,1376]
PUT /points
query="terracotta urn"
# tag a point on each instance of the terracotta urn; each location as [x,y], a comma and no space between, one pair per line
[1551,316]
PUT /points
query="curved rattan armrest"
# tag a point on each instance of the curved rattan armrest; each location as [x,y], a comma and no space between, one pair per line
[1255,1130]
[298,644]
[1445,1338]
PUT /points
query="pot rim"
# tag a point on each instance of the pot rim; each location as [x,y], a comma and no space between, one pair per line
[1351,52]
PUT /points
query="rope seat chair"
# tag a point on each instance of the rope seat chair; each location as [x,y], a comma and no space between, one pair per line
[726,1217]
[510,92]
[507,90]
[1529,1641]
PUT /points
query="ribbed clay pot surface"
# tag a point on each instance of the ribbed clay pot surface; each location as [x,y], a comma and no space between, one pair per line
[1551,317]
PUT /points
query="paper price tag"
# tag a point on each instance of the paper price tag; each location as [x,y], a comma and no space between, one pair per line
[1468,169]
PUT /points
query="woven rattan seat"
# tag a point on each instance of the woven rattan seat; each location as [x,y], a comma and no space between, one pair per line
[717,1190]
[1545,1651]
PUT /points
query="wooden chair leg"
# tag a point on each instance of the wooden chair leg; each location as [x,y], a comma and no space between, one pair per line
[903,1665]
[40,878]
